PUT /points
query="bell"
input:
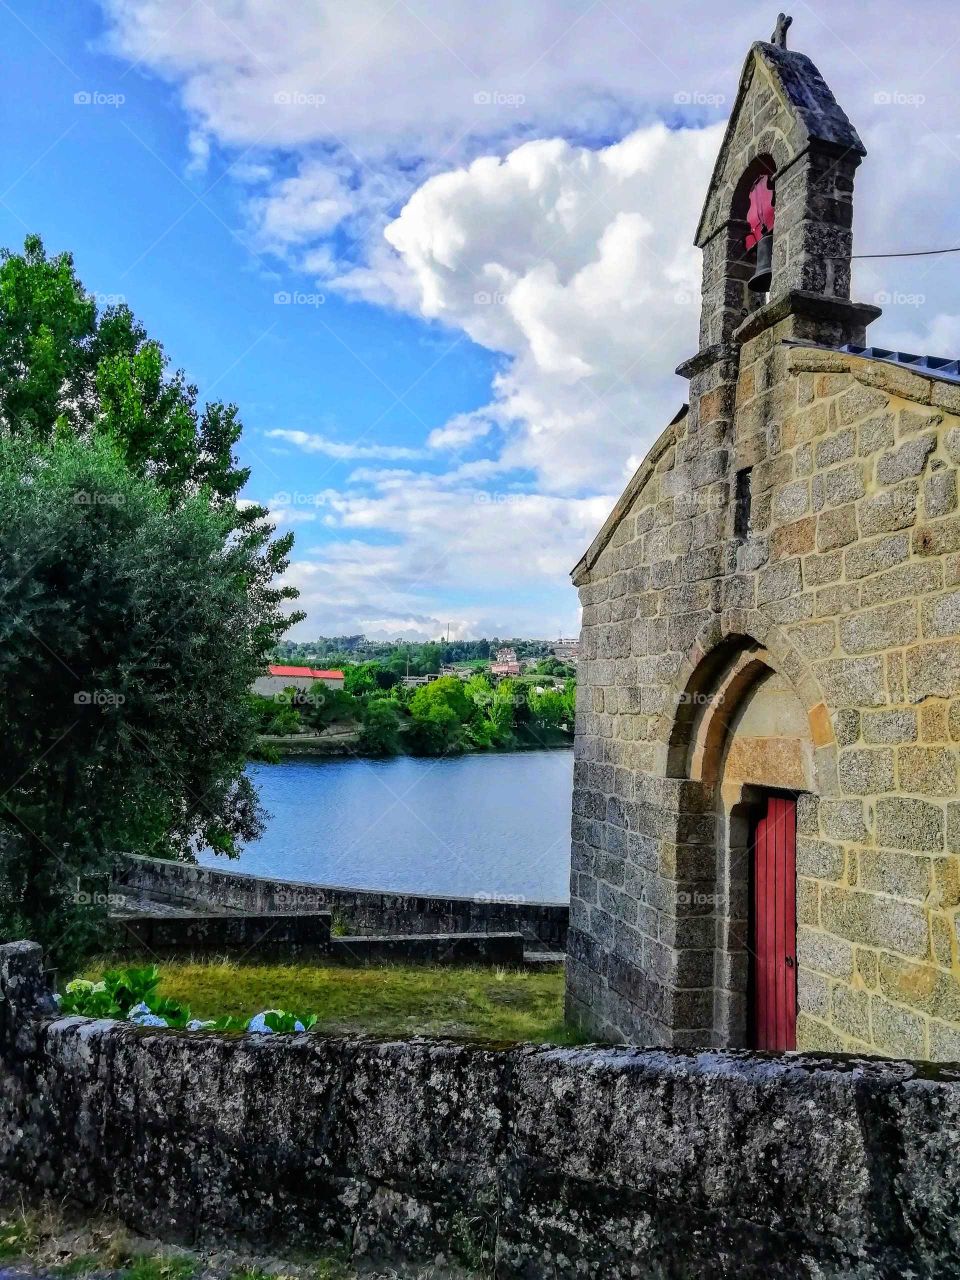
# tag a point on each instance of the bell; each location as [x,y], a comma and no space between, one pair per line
[760,281]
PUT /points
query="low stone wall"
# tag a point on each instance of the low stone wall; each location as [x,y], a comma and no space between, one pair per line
[543,924]
[431,948]
[261,935]
[290,937]
[557,1163]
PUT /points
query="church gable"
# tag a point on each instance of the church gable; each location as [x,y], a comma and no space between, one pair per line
[768,708]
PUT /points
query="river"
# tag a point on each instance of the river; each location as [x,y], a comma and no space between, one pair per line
[495,824]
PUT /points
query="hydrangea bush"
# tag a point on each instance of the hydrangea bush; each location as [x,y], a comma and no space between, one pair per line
[133,994]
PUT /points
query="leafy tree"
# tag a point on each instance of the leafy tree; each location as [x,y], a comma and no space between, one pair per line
[430,658]
[365,678]
[325,706]
[493,717]
[380,728]
[66,368]
[548,709]
[439,711]
[276,715]
[130,633]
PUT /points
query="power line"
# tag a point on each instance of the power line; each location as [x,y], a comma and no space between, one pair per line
[915,253]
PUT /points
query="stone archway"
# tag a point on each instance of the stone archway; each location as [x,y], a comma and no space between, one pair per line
[742,732]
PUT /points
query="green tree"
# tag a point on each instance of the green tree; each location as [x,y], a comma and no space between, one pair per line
[380,728]
[439,711]
[324,706]
[364,679]
[277,714]
[130,633]
[66,368]
[492,722]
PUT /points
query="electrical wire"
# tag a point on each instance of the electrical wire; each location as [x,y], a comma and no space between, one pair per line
[915,253]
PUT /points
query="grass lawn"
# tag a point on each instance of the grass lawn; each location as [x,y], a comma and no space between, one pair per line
[502,1005]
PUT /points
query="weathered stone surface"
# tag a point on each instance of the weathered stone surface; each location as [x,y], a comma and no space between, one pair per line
[888,511]
[565,1163]
[905,823]
[843,819]
[866,771]
[836,528]
[888,627]
[874,920]
[364,911]
[908,460]
[933,670]
[853,682]
[889,726]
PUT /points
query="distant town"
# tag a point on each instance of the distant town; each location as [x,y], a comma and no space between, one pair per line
[419,664]
[348,693]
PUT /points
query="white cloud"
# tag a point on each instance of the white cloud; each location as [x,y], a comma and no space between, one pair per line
[546,256]
[310,442]
[477,141]
[303,208]
[511,548]
[460,432]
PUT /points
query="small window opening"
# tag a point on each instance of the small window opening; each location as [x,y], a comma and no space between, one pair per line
[742,501]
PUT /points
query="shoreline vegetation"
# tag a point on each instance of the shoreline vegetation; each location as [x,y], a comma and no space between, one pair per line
[338,746]
[378,714]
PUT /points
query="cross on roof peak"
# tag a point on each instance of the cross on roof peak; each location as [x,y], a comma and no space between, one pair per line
[779,37]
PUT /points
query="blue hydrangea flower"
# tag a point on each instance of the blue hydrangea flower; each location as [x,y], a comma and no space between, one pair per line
[148,1020]
[258,1023]
[196,1025]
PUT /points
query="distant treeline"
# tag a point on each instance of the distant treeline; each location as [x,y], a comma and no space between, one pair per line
[404,659]
[446,716]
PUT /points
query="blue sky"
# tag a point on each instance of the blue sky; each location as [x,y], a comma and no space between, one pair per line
[484,233]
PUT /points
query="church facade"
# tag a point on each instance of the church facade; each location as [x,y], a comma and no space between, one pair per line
[766,827]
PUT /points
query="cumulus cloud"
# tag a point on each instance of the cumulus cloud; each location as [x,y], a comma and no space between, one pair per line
[460,432]
[577,263]
[531,177]
[510,547]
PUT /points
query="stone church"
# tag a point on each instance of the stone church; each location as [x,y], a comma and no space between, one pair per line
[766,827]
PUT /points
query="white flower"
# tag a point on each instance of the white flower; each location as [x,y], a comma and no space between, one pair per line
[78,985]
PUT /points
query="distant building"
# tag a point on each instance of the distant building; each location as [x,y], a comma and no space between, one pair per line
[566,650]
[279,678]
[505,664]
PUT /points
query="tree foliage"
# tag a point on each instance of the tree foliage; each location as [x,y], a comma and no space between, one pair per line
[137,605]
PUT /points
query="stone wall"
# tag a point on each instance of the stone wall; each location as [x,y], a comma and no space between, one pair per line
[558,1163]
[305,936]
[543,924]
[290,935]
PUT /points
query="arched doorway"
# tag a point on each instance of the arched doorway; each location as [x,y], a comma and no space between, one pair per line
[743,734]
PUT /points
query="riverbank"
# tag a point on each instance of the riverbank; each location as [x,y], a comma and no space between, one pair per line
[348,744]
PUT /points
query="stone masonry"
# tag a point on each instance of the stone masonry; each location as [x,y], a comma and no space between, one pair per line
[812,647]
[535,1163]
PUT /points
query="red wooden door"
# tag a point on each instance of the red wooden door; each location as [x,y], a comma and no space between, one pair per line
[774,933]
